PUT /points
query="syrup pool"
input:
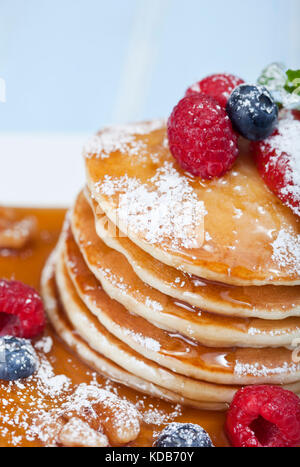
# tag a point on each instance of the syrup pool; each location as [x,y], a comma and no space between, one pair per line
[20,400]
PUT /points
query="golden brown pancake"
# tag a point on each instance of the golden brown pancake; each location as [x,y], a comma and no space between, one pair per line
[95,360]
[196,293]
[122,284]
[232,230]
[102,341]
[184,356]
[267,302]
[105,366]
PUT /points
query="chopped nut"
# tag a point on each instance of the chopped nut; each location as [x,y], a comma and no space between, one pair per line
[100,408]
[119,418]
[16,234]
[77,433]
[50,428]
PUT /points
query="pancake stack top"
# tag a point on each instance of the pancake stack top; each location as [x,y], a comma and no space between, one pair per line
[182,288]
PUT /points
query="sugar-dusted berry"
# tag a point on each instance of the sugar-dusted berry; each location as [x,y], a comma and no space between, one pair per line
[183,435]
[201,137]
[278,160]
[18,359]
[252,111]
[219,86]
[21,310]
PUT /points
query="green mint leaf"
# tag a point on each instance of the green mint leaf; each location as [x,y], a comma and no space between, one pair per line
[273,77]
[292,84]
[283,85]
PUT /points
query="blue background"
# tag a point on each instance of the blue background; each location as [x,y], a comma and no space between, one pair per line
[74,65]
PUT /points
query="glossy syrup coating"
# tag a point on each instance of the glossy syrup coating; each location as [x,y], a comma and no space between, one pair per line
[268,302]
[231,230]
[245,365]
[38,392]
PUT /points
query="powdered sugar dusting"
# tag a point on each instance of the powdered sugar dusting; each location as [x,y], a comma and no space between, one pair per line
[165,210]
[37,408]
[286,251]
[154,416]
[77,433]
[120,139]
[44,344]
[225,78]
[147,342]
[87,398]
[154,305]
[286,145]
[258,370]
[49,383]
[116,280]
[26,402]
[252,104]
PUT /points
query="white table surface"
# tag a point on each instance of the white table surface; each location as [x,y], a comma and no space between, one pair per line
[40,169]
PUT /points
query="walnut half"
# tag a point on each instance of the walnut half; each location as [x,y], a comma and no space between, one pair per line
[15,234]
[104,411]
[77,433]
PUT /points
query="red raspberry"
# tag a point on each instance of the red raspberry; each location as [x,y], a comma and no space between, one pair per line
[289,114]
[201,137]
[218,86]
[278,160]
[21,310]
[264,416]
[296,114]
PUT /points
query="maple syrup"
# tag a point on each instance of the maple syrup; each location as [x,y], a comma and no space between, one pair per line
[21,400]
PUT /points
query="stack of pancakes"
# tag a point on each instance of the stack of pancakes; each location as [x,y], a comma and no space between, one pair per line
[181,288]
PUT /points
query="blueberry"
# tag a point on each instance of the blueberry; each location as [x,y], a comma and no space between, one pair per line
[252,111]
[17,358]
[183,435]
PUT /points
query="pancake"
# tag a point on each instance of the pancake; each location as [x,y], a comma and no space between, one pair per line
[98,362]
[266,302]
[231,230]
[235,366]
[120,282]
[99,339]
